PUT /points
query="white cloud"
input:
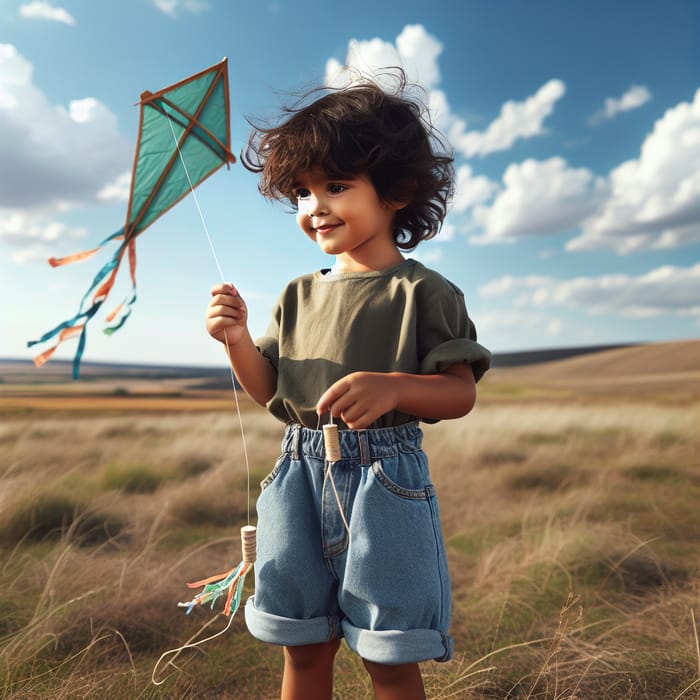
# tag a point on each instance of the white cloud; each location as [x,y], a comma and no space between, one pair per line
[539,198]
[118,190]
[635,97]
[34,234]
[655,199]
[174,7]
[537,328]
[53,157]
[418,52]
[664,290]
[472,190]
[517,120]
[44,10]
[415,51]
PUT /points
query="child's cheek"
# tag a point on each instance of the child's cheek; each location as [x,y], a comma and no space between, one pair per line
[304,224]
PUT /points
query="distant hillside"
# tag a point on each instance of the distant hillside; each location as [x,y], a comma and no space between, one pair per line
[638,369]
[588,370]
[532,357]
[16,371]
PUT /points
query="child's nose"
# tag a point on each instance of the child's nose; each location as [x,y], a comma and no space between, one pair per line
[316,206]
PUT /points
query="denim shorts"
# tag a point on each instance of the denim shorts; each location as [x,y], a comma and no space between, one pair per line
[385,586]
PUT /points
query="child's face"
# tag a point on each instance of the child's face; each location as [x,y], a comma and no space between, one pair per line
[346,218]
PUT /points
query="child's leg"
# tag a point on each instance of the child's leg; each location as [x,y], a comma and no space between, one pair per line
[399,682]
[308,671]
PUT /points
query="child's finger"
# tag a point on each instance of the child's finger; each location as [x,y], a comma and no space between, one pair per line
[224,288]
[333,394]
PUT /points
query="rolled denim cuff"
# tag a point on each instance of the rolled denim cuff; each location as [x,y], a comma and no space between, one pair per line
[398,646]
[287,631]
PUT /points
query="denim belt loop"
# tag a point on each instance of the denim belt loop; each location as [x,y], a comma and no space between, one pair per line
[363,443]
[296,442]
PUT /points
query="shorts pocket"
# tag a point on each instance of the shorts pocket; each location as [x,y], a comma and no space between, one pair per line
[281,460]
[406,477]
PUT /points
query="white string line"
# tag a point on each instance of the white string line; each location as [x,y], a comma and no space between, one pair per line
[223,279]
[329,473]
[187,645]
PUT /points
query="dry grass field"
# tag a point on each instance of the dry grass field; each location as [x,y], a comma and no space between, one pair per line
[569,500]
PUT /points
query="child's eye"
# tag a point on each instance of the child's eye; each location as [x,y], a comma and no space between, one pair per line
[301,193]
[336,188]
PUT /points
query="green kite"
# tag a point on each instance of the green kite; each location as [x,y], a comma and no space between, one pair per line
[184,137]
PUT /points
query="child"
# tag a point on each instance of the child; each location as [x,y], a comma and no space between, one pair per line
[353,548]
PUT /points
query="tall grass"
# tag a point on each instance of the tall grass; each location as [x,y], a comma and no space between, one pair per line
[572,534]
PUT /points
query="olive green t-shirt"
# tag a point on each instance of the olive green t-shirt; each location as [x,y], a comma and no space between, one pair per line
[326,325]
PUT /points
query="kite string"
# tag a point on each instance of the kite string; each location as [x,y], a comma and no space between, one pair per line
[223,279]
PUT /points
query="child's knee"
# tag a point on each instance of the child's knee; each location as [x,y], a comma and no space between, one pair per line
[385,674]
[311,655]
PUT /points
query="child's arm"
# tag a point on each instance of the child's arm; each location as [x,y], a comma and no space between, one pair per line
[227,321]
[362,397]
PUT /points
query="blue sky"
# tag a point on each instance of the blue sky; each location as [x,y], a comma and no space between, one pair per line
[575,123]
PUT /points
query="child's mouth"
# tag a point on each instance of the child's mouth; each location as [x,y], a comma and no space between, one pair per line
[325,229]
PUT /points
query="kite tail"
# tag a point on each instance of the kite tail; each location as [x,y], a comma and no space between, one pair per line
[85,254]
[126,306]
[77,324]
[230,582]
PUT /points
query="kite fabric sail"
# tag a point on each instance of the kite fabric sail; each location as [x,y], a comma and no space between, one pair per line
[184,137]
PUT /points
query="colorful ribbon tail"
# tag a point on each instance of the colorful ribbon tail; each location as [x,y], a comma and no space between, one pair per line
[125,308]
[85,254]
[230,584]
[99,290]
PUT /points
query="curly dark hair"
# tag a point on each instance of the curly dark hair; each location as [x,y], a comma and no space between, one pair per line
[361,130]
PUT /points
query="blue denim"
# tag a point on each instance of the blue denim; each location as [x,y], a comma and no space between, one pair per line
[385,587]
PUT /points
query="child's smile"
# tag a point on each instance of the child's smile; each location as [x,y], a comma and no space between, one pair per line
[346,218]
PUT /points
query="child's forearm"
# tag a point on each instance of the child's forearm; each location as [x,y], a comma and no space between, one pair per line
[253,371]
[451,394]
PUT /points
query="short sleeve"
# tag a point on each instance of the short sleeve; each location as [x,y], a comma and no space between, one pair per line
[447,335]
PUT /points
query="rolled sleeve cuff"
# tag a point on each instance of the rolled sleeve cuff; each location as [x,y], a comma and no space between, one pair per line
[454,351]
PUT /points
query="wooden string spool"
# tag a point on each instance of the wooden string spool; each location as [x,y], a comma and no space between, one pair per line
[248,543]
[331,442]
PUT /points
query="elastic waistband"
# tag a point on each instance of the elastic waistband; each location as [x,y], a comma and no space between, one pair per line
[363,445]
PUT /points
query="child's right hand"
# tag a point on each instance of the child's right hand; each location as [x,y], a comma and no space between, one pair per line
[227,314]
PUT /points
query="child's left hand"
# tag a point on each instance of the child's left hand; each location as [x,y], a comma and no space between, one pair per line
[360,398]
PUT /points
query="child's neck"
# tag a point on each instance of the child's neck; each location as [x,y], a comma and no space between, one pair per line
[348,263]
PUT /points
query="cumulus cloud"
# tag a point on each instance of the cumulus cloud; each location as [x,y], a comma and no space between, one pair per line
[52,154]
[44,10]
[654,200]
[472,190]
[174,7]
[418,52]
[118,190]
[497,325]
[415,50]
[20,228]
[662,291]
[54,157]
[635,97]
[539,198]
[517,120]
